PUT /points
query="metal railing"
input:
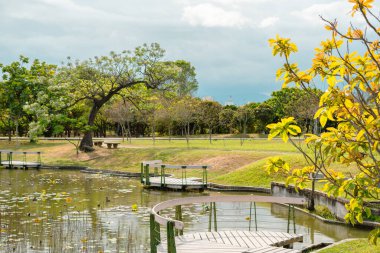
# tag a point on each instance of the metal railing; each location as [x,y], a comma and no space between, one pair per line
[10,162]
[157,169]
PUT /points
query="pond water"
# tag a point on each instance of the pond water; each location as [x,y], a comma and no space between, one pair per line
[70,211]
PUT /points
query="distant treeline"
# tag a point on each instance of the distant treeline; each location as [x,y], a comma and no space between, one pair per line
[131,94]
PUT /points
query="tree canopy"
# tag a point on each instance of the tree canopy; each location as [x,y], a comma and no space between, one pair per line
[351,101]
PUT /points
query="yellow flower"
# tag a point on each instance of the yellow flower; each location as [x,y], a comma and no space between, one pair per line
[69,200]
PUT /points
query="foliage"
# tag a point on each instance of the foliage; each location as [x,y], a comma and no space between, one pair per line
[351,101]
[209,114]
[324,212]
[354,246]
[22,86]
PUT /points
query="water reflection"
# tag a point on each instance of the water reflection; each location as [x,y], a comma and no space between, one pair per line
[68,211]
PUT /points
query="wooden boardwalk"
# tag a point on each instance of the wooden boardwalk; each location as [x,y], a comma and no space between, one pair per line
[7,159]
[234,241]
[20,164]
[176,183]
[219,241]
[155,174]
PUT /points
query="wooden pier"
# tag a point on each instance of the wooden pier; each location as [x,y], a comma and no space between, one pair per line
[8,159]
[220,241]
[234,241]
[155,174]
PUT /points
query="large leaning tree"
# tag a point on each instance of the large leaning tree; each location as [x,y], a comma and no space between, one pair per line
[351,104]
[96,81]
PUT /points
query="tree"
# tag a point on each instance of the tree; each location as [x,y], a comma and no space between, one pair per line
[97,80]
[21,85]
[263,114]
[120,113]
[303,110]
[352,102]
[243,116]
[185,113]
[226,121]
[186,83]
[209,114]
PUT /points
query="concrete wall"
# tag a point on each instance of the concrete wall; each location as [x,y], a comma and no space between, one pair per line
[335,205]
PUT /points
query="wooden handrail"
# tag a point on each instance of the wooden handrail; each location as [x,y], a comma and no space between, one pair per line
[206,199]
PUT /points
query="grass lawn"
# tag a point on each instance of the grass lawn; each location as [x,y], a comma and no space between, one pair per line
[231,163]
[355,246]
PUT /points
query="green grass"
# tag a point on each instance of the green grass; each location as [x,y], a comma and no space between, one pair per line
[232,163]
[226,144]
[355,246]
[254,174]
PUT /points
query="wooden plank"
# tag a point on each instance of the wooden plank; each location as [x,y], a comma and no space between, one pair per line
[255,240]
[231,238]
[215,242]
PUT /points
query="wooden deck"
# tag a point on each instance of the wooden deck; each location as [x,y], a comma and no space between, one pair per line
[20,164]
[234,241]
[176,183]
[11,159]
[156,174]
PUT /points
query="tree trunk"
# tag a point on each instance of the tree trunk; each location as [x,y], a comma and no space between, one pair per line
[154,133]
[129,132]
[87,137]
[311,204]
[9,130]
[210,133]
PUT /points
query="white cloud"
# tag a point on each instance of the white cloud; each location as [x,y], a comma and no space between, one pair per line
[266,22]
[332,10]
[57,11]
[209,15]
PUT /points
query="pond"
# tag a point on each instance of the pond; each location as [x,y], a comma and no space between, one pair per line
[70,211]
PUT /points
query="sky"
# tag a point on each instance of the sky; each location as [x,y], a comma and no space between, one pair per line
[226,40]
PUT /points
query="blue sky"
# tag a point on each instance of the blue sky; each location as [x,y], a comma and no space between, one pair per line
[226,40]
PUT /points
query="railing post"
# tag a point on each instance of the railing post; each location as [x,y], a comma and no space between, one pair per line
[254,205]
[178,216]
[39,161]
[250,216]
[206,176]
[171,237]
[155,170]
[294,220]
[24,160]
[142,172]
[155,237]
[147,179]
[215,224]
[10,160]
[288,219]
[210,218]
[162,175]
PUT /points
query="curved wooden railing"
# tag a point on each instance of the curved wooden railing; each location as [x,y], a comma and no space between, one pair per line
[176,226]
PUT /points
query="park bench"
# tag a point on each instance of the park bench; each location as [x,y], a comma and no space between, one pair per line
[112,144]
[98,143]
